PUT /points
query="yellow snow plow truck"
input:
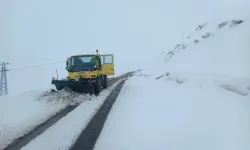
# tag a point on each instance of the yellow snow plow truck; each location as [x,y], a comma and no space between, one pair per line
[87,73]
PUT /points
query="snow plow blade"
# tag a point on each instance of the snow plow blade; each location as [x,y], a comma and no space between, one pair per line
[84,86]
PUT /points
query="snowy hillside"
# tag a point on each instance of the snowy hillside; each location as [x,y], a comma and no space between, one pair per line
[197,97]
[215,52]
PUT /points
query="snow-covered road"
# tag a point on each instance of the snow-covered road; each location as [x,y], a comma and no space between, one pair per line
[65,132]
[22,113]
[150,114]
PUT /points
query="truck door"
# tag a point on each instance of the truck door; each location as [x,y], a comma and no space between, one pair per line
[108,64]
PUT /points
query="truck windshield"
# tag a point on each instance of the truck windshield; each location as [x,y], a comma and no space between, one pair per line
[82,63]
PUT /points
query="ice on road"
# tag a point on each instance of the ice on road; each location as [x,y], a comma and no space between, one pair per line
[159,114]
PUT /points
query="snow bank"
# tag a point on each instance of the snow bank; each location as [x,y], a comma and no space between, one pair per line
[142,73]
[64,96]
[150,114]
[65,132]
[22,113]
[232,84]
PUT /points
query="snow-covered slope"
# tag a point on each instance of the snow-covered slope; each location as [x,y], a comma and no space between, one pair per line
[196,97]
[222,57]
[224,51]
[199,99]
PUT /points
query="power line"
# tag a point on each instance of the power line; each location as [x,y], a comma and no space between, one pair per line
[3,82]
[35,66]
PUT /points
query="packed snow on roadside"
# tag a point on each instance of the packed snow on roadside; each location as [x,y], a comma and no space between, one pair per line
[65,132]
[156,114]
[22,113]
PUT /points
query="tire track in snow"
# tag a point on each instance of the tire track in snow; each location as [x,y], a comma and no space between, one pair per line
[24,140]
[90,134]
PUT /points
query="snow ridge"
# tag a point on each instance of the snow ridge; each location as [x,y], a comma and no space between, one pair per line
[64,96]
[202,32]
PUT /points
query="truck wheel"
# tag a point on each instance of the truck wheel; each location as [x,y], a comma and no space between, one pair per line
[98,85]
[105,81]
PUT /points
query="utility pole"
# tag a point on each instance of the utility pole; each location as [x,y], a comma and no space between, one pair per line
[3,81]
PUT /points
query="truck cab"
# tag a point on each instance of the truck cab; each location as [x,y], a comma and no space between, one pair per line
[90,70]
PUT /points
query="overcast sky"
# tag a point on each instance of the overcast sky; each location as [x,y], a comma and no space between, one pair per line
[136,31]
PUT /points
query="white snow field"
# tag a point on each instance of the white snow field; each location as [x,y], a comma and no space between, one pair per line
[151,114]
[20,114]
[201,99]
[65,132]
[26,111]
